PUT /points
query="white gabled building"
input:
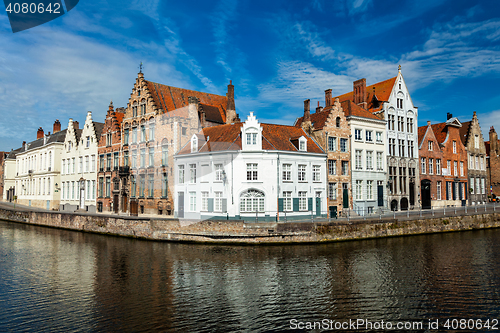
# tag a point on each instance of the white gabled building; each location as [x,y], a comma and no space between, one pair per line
[250,171]
[79,166]
[38,166]
[368,159]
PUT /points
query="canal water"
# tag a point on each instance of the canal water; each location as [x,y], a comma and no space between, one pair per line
[60,281]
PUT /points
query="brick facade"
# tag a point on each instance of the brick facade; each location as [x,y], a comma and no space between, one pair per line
[430,168]
[493,162]
[328,127]
[110,187]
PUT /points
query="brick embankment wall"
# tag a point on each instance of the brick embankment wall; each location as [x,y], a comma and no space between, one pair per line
[246,233]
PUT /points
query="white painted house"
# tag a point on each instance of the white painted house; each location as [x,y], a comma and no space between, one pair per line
[250,171]
[79,165]
[38,166]
[368,146]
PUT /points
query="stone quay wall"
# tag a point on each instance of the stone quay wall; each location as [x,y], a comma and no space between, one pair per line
[238,232]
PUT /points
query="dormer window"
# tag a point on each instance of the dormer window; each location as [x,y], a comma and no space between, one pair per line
[302,144]
[251,138]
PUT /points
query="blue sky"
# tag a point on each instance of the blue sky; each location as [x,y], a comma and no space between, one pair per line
[277,53]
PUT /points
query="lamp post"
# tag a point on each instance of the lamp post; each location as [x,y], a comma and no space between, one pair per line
[82,193]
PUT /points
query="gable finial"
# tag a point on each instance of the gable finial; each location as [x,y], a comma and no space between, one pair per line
[140,67]
[399,68]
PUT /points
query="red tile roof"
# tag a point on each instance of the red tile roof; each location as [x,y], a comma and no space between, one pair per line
[119,116]
[421,133]
[171,98]
[440,131]
[351,109]
[274,137]
[318,119]
[382,92]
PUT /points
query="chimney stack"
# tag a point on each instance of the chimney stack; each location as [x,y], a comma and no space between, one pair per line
[493,140]
[319,108]
[307,111]
[57,126]
[359,93]
[230,107]
[448,116]
[328,98]
[39,133]
[76,125]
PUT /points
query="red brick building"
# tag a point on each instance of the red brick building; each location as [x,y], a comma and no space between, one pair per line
[493,162]
[110,187]
[443,164]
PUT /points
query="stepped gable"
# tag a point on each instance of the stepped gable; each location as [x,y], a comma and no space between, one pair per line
[381,91]
[170,99]
[274,137]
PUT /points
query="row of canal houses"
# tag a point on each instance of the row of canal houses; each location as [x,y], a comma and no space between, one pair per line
[185,153]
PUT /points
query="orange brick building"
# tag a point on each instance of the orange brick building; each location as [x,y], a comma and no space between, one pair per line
[109,150]
[443,164]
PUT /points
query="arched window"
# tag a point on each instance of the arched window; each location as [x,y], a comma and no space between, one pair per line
[338,122]
[252,201]
[143,106]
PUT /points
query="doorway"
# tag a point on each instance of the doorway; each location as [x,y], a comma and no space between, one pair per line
[425,186]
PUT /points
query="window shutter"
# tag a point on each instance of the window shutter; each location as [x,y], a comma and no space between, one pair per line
[210,204]
[310,204]
[447,191]
[460,186]
[318,206]
[224,205]
[295,204]
[280,204]
[453,188]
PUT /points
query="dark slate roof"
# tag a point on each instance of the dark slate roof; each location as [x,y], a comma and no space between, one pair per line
[98,127]
[464,131]
[57,137]
[12,154]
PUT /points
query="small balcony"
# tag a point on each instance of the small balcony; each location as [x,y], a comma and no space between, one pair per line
[123,171]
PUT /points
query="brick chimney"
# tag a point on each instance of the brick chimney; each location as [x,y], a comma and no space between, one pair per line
[76,125]
[57,126]
[230,107]
[359,93]
[319,108]
[449,116]
[39,133]
[193,106]
[493,140]
[203,117]
[307,111]
[328,98]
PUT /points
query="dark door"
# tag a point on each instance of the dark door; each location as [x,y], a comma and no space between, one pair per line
[181,204]
[394,205]
[425,186]
[318,206]
[404,204]
[134,209]
[345,197]
[333,212]
[412,194]
[124,203]
[380,195]
[115,203]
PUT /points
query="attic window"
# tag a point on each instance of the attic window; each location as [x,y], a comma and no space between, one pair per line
[139,91]
[400,86]
[338,122]
[302,144]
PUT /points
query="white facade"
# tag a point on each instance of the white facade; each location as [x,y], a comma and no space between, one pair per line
[368,163]
[9,176]
[402,147]
[251,183]
[79,167]
[38,167]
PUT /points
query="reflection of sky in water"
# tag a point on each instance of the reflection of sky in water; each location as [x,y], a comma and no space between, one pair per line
[54,280]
